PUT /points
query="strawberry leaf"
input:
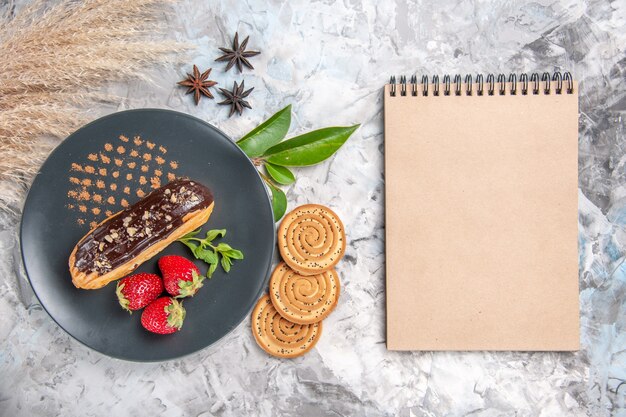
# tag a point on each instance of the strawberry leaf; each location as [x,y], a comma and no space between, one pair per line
[124,302]
[175,313]
[190,288]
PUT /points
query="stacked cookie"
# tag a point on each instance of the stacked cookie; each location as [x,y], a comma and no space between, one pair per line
[304,288]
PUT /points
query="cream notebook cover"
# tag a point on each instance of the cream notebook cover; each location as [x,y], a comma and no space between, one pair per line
[481,214]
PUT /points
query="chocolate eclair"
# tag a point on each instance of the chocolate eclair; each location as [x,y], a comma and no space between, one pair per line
[125,240]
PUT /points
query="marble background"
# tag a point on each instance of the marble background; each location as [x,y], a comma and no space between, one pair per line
[329,59]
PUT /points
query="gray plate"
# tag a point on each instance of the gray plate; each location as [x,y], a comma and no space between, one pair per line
[50,229]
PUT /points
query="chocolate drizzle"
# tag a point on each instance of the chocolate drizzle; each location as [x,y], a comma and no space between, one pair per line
[131,231]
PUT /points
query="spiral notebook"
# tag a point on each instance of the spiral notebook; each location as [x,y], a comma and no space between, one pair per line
[481,181]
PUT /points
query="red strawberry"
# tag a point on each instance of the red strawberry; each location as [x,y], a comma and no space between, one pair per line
[180,276]
[164,315]
[139,290]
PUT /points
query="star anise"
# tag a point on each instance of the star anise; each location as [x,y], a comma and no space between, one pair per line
[235,98]
[238,55]
[198,84]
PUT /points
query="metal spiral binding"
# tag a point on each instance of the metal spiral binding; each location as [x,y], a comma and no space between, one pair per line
[501,84]
[513,82]
[529,85]
[457,83]
[524,80]
[468,85]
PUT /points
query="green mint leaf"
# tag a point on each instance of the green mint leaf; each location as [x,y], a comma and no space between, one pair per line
[207,255]
[190,235]
[226,258]
[190,245]
[223,247]
[196,250]
[310,148]
[281,175]
[234,254]
[211,235]
[267,134]
[226,263]
[211,270]
[279,201]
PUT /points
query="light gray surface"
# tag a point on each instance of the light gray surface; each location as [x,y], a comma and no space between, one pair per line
[330,59]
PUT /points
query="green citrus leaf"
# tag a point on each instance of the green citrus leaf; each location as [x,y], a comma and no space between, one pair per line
[279,202]
[309,148]
[267,134]
[281,175]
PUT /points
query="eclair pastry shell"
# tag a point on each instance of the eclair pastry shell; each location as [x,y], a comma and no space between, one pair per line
[94,280]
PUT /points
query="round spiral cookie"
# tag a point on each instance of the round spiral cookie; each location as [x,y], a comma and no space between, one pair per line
[278,336]
[304,299]
[311,239]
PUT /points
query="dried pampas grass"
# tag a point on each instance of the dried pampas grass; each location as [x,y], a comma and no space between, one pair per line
[53,59]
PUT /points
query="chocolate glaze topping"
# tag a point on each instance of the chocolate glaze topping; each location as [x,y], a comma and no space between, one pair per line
[130,232]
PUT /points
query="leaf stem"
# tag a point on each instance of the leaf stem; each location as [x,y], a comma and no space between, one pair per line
[198,240]
[267,180]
